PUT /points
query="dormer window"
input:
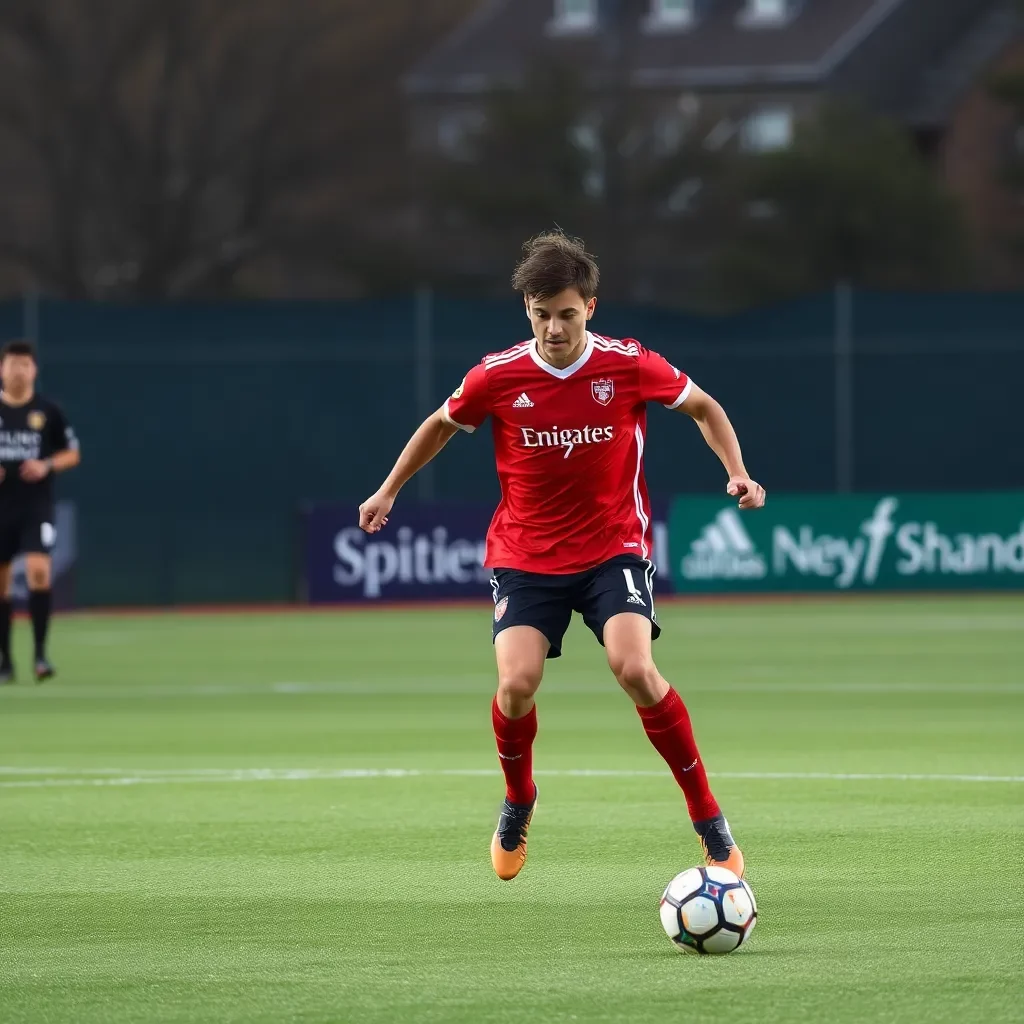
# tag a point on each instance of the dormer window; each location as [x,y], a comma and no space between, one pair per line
[768,129]
[574,16]
[767,13]
[671,15]
[457,131]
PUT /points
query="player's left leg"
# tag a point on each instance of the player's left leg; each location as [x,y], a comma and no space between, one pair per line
[627,637]
[6,613]
[617,603]
[38,569]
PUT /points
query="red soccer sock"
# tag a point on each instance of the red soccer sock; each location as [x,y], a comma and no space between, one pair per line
[515,738]
[668,728]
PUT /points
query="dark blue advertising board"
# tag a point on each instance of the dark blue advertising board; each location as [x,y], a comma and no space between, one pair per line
[428,551]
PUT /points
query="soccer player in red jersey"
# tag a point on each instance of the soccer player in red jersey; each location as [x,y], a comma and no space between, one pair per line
[573,529]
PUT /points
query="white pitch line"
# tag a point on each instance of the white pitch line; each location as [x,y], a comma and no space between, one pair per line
[58,777]
[449,686]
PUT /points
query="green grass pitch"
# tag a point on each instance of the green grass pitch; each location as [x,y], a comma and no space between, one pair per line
[275,818]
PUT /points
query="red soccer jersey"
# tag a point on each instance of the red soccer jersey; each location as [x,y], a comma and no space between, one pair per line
[569,446]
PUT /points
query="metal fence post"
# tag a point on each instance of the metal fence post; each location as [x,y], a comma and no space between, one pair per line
[423,367]
[30,316]
[844,414]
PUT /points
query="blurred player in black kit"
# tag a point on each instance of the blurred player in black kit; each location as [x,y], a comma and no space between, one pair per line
[35,442]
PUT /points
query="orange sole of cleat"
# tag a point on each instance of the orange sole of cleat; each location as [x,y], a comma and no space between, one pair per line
[507,864]
[734,862]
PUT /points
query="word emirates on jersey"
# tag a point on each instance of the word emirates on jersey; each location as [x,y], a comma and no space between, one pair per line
[569,445]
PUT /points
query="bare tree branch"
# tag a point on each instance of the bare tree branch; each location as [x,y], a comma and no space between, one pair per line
[153,149]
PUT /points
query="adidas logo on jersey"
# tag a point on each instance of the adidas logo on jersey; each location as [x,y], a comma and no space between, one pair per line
[522,402]
[633,599]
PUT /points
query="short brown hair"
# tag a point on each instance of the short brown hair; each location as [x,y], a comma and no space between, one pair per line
[18,348]
[553,262]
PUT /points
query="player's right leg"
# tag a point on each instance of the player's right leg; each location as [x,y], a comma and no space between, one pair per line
[520,653]
[6,611]
[36,542]
[39,572]
[531,615]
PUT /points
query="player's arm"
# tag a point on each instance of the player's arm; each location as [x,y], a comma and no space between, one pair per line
[36,469]
[65,460]
[433,434]
[60,461]
[661,382]
[721,437]
[467,408]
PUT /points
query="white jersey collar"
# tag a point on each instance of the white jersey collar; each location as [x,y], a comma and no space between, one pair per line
[569,370]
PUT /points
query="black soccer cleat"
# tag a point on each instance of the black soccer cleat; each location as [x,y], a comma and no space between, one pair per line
[720,849]
[508,846]
[44,670]
[7,676]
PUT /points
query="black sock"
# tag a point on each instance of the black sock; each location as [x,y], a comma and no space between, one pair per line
[5,629]
[39,609]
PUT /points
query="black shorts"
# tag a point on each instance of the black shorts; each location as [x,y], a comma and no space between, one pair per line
[30,533]
[546,602]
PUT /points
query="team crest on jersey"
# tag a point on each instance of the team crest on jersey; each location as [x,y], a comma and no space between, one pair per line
[36,420]
[499,609]
[603,390]
[457,393]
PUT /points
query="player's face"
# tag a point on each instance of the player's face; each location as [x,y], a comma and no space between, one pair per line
[18,373]
[560,325]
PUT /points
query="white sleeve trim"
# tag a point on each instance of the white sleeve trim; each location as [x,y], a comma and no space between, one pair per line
[683,396]
[455,423]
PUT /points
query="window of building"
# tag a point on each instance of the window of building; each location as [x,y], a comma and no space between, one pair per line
[768,129]
[683,198]
[767,13]
[457,131]
[671,14]
[575,15]
[721,134]
[585,135]
[669,132]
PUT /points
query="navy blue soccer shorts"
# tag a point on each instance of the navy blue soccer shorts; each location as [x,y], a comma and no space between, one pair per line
[546,602]
[26,532]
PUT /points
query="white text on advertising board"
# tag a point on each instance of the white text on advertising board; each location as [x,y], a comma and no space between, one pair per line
[725,550]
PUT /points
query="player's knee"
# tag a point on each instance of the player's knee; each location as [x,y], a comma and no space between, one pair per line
[516,685]
[636,673]
[37,576]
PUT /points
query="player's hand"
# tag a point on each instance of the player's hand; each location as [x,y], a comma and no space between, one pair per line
[750,492]
[373,513]
[33,470]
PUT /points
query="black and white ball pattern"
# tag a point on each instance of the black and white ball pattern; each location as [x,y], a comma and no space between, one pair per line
[708,910]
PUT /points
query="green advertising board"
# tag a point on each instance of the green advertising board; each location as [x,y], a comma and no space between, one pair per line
[828,542]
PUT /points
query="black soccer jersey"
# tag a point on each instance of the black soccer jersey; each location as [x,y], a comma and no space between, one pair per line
[35,430]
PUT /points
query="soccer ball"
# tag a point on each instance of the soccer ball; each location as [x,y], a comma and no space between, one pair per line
[708,910]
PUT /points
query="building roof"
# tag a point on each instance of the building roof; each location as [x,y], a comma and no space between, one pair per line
[505,36]
[960,65]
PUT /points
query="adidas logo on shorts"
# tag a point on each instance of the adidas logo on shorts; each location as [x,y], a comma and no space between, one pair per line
[522,402]
[633,591]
